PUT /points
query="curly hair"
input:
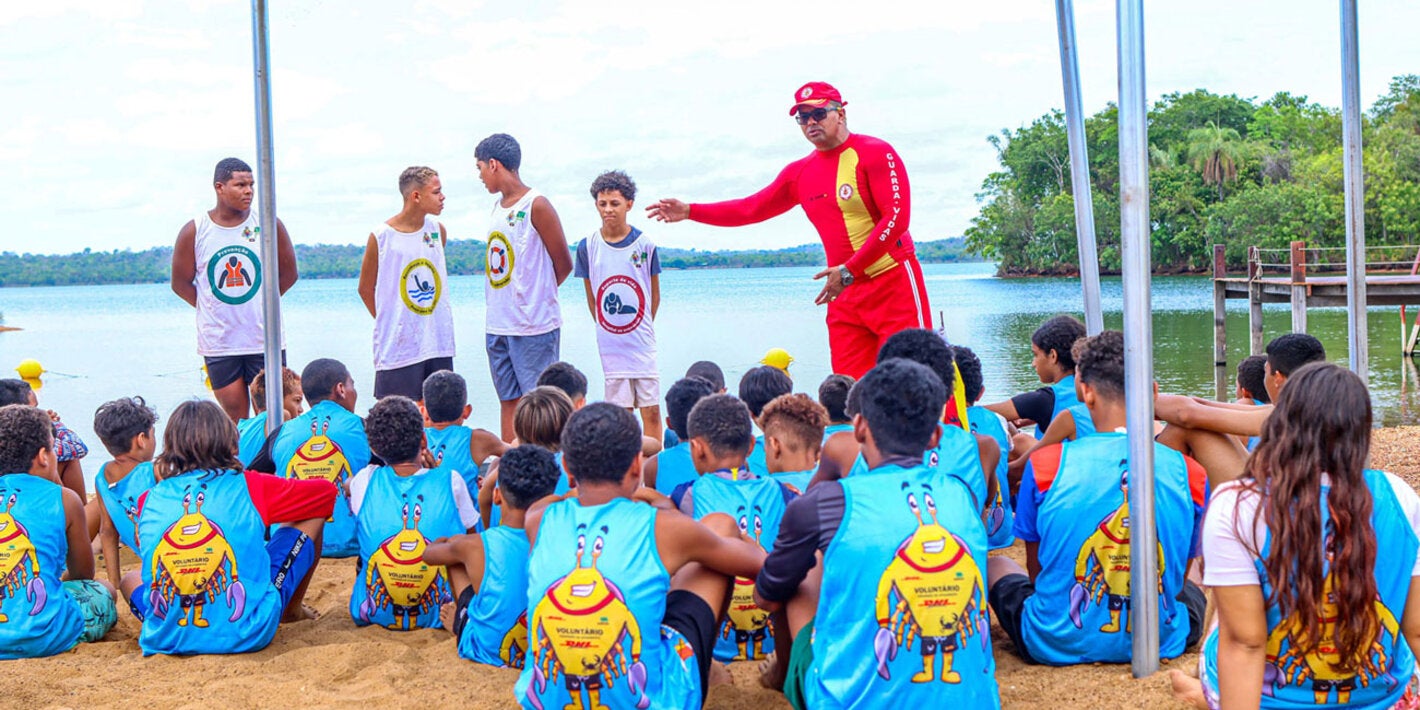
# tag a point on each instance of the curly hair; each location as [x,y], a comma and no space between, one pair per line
[600,443]
[796,420]
[969,365]
[1058,335]
[24,430]
[445,395]
[527,474]
[924,347]
[614,181]
[723,422]
[395,429]
[199,436]
[119,421]
[1099,362]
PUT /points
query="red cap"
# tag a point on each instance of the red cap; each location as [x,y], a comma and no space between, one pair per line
[816,93]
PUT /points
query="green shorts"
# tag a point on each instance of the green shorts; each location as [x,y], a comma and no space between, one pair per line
[801,656]
[96,601]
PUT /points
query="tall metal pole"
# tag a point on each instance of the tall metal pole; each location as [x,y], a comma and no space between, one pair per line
[1079,168]
[1138,336]
[1355,194]
[266,190]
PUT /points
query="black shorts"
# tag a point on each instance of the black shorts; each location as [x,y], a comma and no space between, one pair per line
[409,380]
[223,370]
[461,610]
[687,613]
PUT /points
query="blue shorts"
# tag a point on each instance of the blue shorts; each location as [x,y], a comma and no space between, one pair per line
[98,606]
[292,555]
[516,361]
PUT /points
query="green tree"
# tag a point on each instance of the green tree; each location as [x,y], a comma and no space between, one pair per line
[1216,153]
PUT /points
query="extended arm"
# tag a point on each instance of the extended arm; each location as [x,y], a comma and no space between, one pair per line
[682,539]
[772,201]
[549,227]
[184,269]
[369,274]
[887,183]
[1185,412]
[108,539]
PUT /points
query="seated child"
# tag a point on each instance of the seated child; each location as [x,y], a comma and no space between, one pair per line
[1050,357]
[1073,514]
[454,446]
[538,419]
[833,396]
[489,571]
[566,377]
[901,534]
[618,574]
[1252,386]
[45,533]
[68,447]
[793,433]
[399,507]
[985,422]
[757,388]
[710,372]
[251,432]
[125,426]
[672,467]
[210,581]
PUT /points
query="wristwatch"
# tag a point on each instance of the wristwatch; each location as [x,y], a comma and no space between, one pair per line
[845,276]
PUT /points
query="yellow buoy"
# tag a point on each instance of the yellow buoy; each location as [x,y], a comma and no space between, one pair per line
[777,357]
[30,369]
[34,383]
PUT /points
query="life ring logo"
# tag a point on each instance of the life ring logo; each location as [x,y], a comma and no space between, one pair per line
[421,287]
[234,274]
[845,191]
[621,304]
[807,92]
[499,260]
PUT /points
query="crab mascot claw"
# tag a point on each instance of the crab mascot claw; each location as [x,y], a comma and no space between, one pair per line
[884,649]
[995,518]
[237,599]
[636,677]
[367,608]
[157,604]
[1269,679]
[1077,604]
[539,684]
[36,593]
[983,629]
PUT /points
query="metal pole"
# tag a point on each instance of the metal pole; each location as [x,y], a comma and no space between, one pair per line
[1079,168]
[1355,194]
[1138,336]
[266,190]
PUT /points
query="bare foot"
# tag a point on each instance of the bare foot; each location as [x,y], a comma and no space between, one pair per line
[771,674]
[447,613]
[720,674]
[304,613]
[1187,689]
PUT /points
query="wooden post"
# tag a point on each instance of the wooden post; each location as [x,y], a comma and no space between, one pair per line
[1254,303]
[1298,262]
[1220,325]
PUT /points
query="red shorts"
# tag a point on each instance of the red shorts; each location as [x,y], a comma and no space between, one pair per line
[868,312]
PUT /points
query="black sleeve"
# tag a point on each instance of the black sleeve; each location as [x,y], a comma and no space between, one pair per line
[1036,406]
[264,462]
[808,526]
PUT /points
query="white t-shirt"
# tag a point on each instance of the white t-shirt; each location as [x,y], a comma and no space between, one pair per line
[1226,559]
[468,508]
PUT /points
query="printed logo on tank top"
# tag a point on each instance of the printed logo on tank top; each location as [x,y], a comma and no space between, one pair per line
[515,217]
[499,262]
[420,287]
[251,234]
[845,191]
[430,238]
[234,273]
[621,304]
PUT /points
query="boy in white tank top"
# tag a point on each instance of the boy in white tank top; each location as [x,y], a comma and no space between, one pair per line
[217,269]
[621,272]
[404,284]
[527,260]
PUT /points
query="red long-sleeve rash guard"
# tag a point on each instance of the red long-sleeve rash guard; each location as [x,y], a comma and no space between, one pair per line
[856,196]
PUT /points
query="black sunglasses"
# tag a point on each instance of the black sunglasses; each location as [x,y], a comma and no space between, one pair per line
[818,114]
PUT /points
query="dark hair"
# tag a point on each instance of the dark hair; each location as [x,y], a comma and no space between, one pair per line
[119,421]
[24,430]
[708,371]
[227,166]
[1287,353]
[13,391]
[599,443]
[614,180]
[796,420]
[445,395]
[902,401]
[415,177]
[762,384]
[502,148]
[198,436]
[566,377]
[681,398]
[833,396]
[527,474]
[257,389]
[1252,377]
[1099,363]
[853,404]
[541,416]
[924,347]
[319,379]
[1322,425]
[1059,334]
[395,429]
[724,423]
[969,365]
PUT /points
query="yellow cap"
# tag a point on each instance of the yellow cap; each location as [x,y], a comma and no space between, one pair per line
[30,369]
[777,357]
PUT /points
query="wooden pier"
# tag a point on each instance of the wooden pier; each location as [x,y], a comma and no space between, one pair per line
[1393,282]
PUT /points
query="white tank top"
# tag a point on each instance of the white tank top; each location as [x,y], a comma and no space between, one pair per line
[229,286]
[521,291]
[413,319]
[621,288]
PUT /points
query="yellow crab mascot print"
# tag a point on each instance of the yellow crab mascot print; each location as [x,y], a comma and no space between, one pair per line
[399,586]
[320,457]
[1102,566]
[745,622]
[19,564]
[192,565]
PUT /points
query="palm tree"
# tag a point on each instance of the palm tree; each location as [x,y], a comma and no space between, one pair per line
[1216,153]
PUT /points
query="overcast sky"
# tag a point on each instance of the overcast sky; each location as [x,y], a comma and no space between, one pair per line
[116,111]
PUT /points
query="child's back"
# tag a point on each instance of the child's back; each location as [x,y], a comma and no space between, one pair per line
[120,499]
[673,467]
[37,615]
[496,632]
[451,447]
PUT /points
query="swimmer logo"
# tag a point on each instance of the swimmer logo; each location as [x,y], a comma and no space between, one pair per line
[398,578]
[421,287]
[234,274]
[19,563]
[1102,567]
[499,260]
[193,564]
[622,304]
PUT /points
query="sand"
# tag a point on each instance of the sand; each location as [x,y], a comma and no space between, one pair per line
[329,662]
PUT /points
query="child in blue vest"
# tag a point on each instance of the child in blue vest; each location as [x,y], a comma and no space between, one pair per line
[210,581]
[668,469]
[999,516]
[793,434]
[125,426]
[399,507]
[1252,388]
[488,571]
[1050,346]
[538,419]
[454,446]
[833,396]
[43,533]
[251,432]
[759,387]
[68,447]
[895,615]
[618,617]
[1071,604]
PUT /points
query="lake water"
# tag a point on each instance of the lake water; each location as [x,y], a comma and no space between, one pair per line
[103,342]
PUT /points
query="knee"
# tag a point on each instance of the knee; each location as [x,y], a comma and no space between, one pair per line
[722,524]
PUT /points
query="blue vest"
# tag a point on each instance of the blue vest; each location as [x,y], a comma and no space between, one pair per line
[596,596]
[326,442]
[37,616]
[121,499]
[757,506]
[832,429]
[451,450]
[911,541]
[251,437]
[394,587]
[798,481]
[999,517]
[1083,521]
[1291,680]
[674,467]
[1084,421]
[755,461]
[497,629]
[206,573]
[1065,398]
[1252,440]
[956,455]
